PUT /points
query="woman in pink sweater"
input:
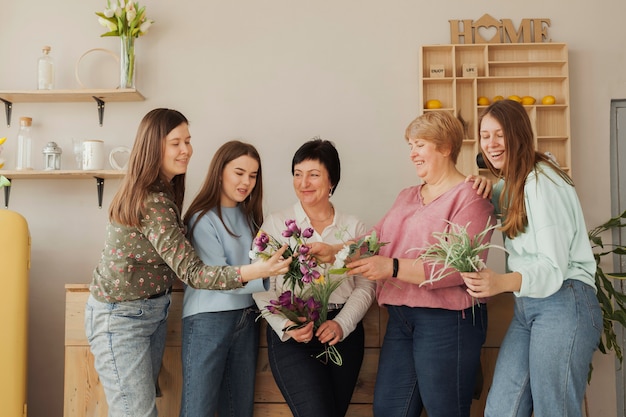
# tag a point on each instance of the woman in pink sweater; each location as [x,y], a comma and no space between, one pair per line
[431,352]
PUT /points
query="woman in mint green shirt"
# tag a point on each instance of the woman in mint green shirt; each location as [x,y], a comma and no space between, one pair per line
[544,359]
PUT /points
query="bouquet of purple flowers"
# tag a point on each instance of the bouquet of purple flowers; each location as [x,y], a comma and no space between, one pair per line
[302,268]
[314,290]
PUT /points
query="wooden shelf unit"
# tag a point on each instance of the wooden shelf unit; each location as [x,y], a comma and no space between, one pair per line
[29,174]
[528,69]
[71,96]
[100,96]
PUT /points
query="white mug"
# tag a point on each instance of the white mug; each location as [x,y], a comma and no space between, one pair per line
[118,158]
[93,155]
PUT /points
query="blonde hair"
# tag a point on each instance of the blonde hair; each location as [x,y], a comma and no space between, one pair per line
[440,128]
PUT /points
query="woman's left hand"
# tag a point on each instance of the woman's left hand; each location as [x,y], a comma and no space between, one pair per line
[482,284]
[487,282]
[482,185]
[329,332]
[373,267]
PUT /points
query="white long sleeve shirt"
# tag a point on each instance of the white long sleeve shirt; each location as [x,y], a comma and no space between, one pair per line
[356,292]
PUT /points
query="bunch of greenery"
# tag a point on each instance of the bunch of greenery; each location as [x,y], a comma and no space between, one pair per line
[612,301]
[455,250]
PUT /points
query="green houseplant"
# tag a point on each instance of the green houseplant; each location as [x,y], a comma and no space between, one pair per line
[612,301]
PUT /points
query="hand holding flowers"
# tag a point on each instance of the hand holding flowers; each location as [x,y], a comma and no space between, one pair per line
[365,247]
[455,250]
[487,283]
[305,303]
[302,267]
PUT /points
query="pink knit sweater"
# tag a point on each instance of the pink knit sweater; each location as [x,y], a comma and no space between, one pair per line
[409,227]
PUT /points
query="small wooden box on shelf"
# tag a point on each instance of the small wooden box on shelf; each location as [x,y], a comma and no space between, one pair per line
[524,69]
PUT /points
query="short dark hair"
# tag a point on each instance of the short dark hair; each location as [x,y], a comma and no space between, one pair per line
[323,151]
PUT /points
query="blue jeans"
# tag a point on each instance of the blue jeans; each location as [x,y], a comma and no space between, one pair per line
[127,340]
[311,388]
[429,360]
[544,359]
[219,356]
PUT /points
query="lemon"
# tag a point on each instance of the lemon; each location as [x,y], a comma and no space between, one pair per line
[498,98]
[515,98]
[2,140]
[1,164]
[433,104]
[528,100]
[548,100]
[483,101]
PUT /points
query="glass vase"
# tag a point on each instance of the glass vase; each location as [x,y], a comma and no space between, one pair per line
[127,62]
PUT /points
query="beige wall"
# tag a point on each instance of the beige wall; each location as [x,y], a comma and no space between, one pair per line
[275,73]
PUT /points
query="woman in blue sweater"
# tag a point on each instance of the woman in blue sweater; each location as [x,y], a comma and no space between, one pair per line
[544,359]
[220,334]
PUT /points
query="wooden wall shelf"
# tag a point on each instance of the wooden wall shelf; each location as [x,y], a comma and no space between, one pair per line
[530,69]
[99,175]
[100,96]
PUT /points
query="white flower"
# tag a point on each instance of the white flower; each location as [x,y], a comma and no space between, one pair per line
[341,256]
[131,12]
[107,24]
[109,12]
[145,26]
[252,255]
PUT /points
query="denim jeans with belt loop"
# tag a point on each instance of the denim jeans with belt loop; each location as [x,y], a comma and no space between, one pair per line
[544,359]
[127,340]
[429,360]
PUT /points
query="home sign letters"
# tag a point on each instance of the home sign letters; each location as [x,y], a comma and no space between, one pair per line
[490,30]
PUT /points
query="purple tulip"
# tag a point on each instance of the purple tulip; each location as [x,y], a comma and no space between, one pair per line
[303,249]
[315,315]
[307,233]
[292,226]
[261,241]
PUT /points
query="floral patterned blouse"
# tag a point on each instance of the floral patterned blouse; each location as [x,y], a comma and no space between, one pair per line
[137,263]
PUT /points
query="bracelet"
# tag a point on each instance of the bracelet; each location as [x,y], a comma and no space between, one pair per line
[395,268]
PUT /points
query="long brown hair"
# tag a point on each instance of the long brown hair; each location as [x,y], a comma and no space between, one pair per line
[144,167]
[210,193]
[521,159]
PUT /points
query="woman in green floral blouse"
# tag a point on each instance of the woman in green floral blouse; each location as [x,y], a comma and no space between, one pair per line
[145,252]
